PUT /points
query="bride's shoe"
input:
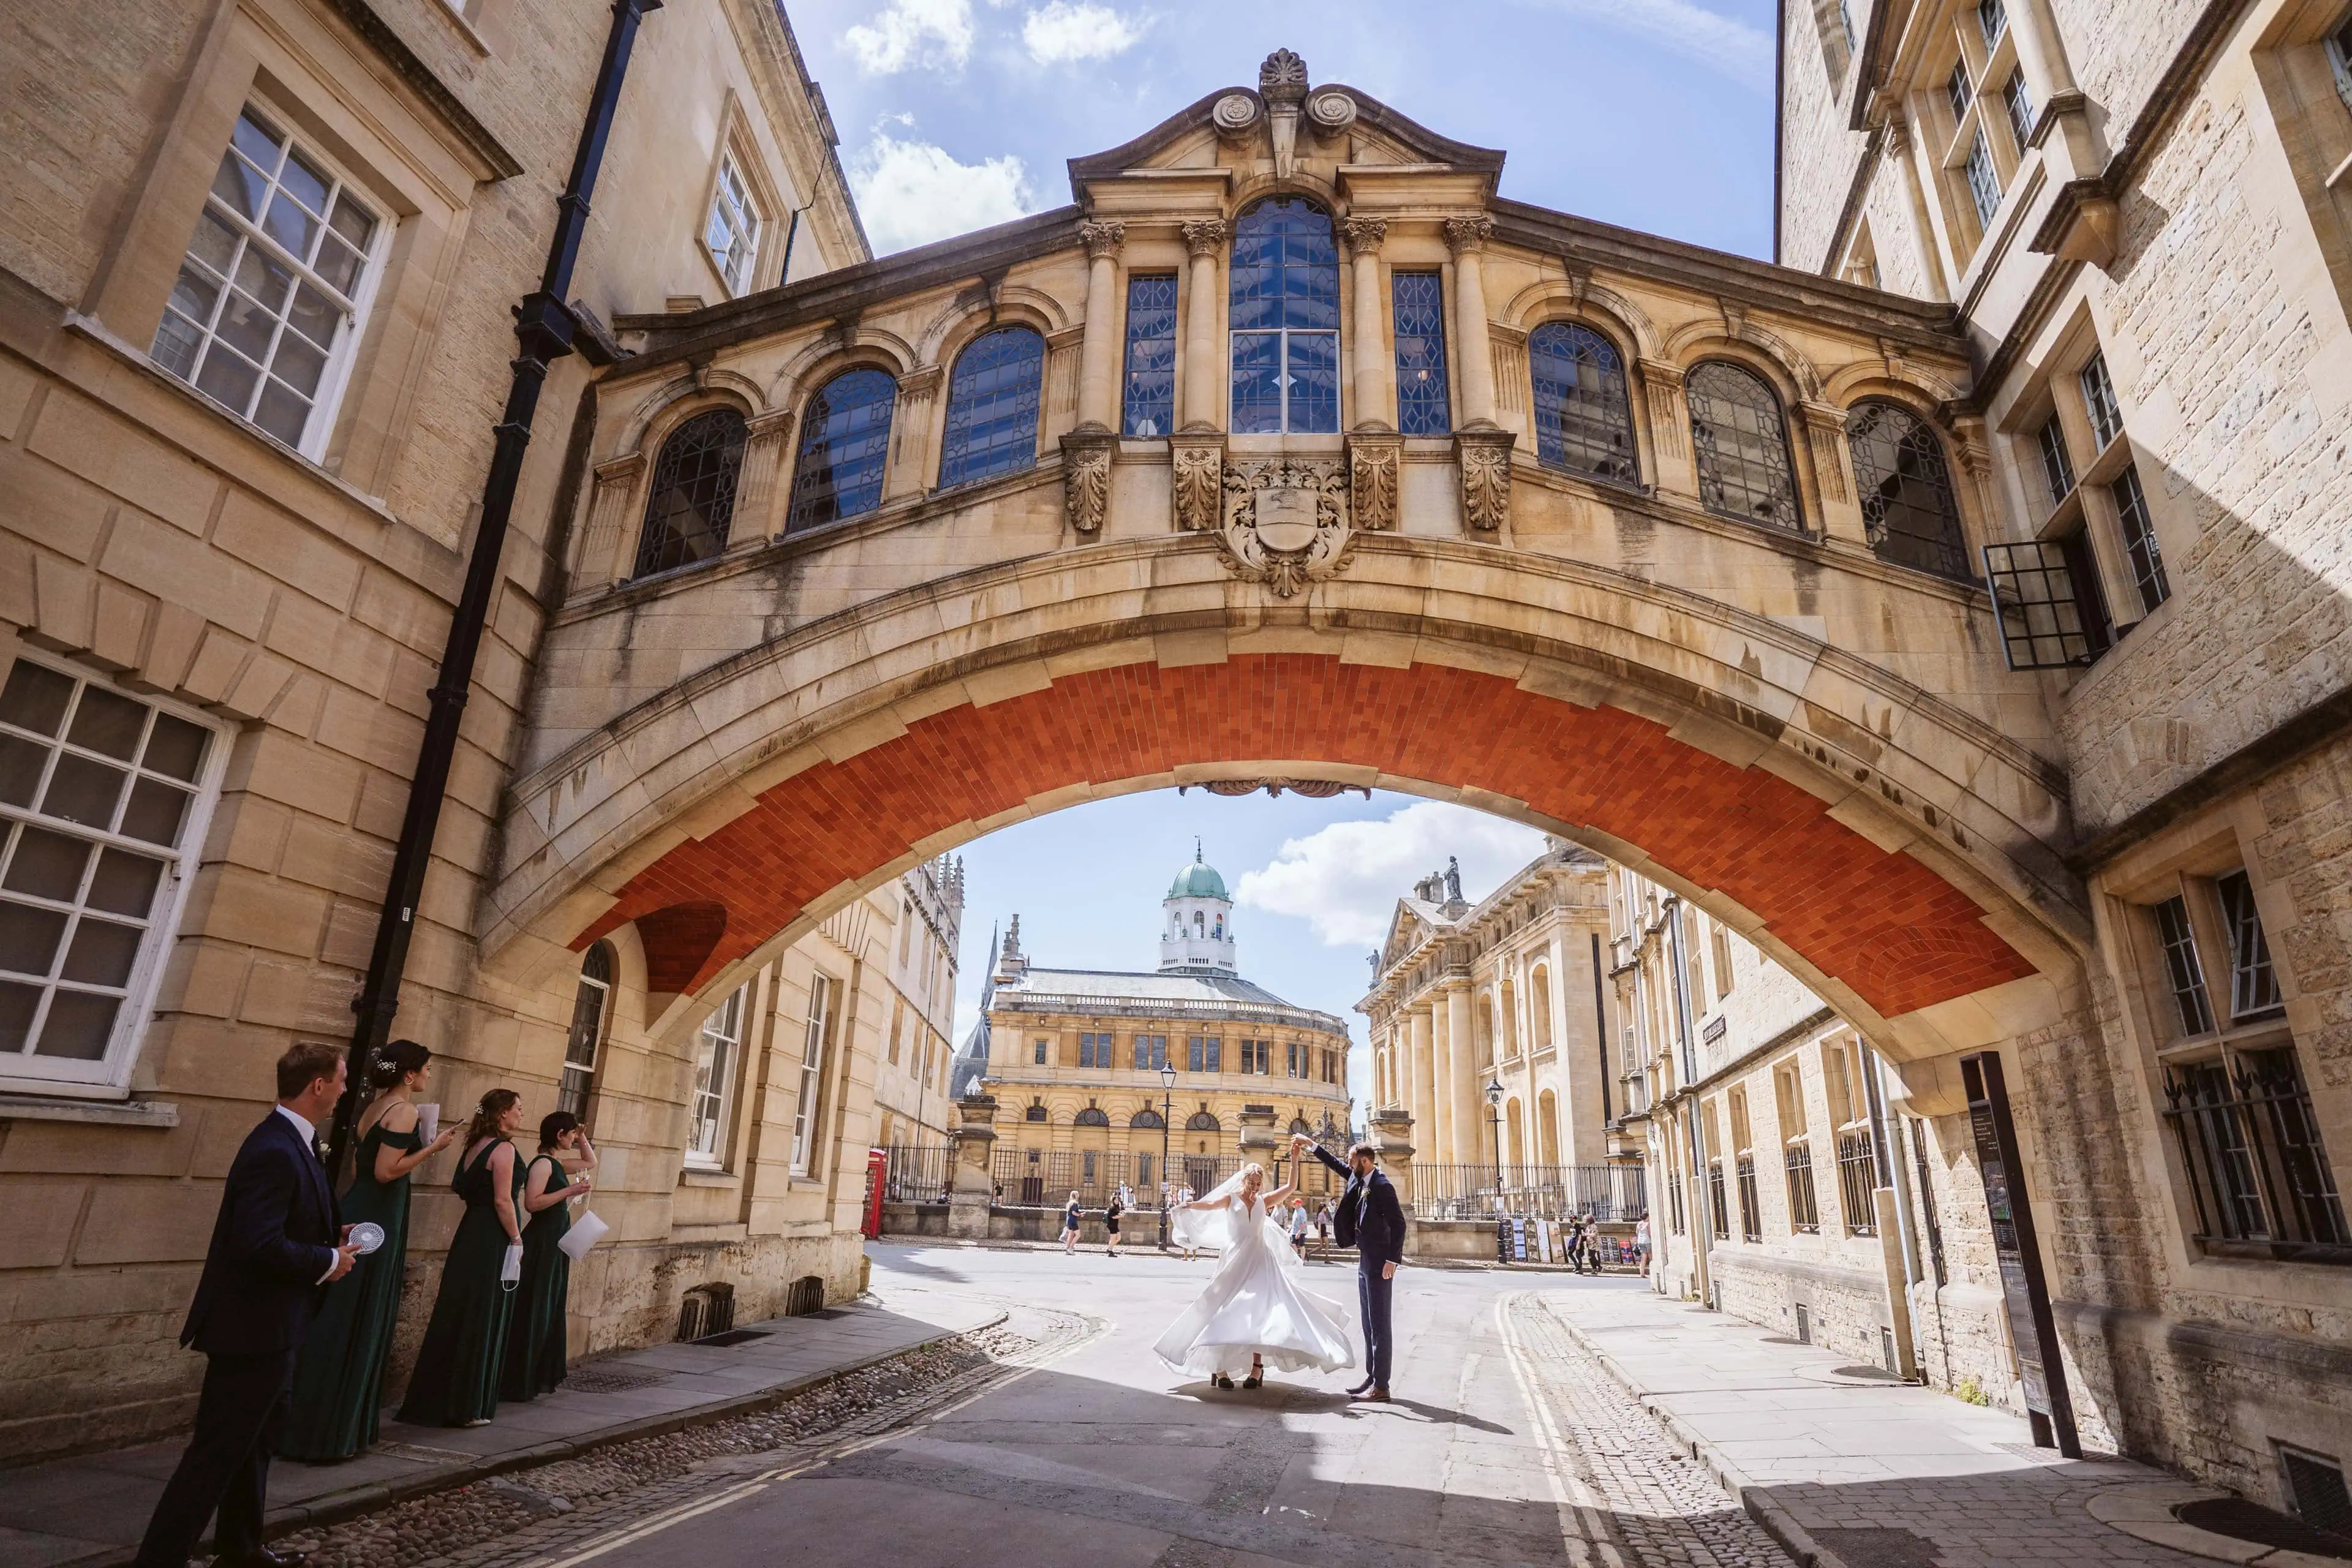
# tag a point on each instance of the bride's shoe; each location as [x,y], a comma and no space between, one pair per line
[1252,1381]
[1222,1381]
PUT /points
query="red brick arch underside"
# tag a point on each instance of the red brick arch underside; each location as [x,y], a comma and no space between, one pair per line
[1884,923]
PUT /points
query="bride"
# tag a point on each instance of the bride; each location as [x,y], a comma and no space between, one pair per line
[1252,1312]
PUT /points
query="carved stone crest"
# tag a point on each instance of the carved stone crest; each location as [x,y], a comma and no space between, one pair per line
[1285,522]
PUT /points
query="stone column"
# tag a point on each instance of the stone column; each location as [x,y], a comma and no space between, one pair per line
[1099,357]
[1205,366]
[973,1192]
[1467,238]
[1662,386]
[1902,147]
[1421,1086]
[611,505]
[761,490]
[1438,1128]
[912,449]
[1375,394]
[1824,431]
[1469,1106]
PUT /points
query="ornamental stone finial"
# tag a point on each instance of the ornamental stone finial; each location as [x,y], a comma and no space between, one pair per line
[1103,237]
[1204,235]
[1283,75]
[1468,235]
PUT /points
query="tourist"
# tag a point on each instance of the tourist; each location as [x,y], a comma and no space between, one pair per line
[1070,1226]
[1642,1245]
[1298,1226]
[1593,1243]
[456,1383]
[1110,1221]
[339,1382]
[556,1175]
[1184,1196]
[1572,1229]
[1323,1221]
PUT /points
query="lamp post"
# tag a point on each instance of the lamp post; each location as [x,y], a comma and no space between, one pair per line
[1495,1120]
[1167,1110]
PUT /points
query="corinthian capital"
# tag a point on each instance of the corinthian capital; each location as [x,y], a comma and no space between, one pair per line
[1363,235]
[1102,236]
[1204,235]
[1467,235]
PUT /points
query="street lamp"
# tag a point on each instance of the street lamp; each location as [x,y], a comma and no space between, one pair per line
[1167,1111]
[1494,1120]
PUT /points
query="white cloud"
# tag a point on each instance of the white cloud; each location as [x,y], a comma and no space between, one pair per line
[1732,48]
[1344,880]
[1061,32]
[911,192]
[913,33]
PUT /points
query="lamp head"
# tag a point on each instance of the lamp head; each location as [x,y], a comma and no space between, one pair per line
[1167,1078]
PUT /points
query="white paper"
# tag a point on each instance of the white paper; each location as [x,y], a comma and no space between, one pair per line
[587,1230]
[512,1272]
[428,1122]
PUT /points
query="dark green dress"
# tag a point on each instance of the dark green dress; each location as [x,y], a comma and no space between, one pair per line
[535,1344]
[339,1382]
[456,1375]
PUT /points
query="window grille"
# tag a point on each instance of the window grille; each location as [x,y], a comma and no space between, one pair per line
[1092,1116]
[1584,421]
[2140,547]
[1150,1052]
[691,508]
[1284,315]
[1857,1182]
[2258,1173]
[732,234]
[1203,1121]
[1751,1223]
[1909,510]
[102,800]
[1146,1119]
[1418,304]
[1719,1220]
[1804,1208]
[844,446]
[589,1000]
[2186,975]
[2253,984]
[714,1083]
[266,310]
[1957,91]
[1149,393]
[992,400]
[1984,180]
[1992,17]
[2315,1490]
[2039,597]
[2099,402]
[812,1046]
[2057,469]
[1742,445]
[2018,100]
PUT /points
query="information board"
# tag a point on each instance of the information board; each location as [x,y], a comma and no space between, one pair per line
[2025,1292]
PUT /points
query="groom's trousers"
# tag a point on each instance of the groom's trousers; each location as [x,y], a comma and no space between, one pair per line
[1374,1292]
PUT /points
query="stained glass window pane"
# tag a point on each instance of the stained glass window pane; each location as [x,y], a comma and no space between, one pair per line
[1149,401]
[1908,509]
[993,407]
[1584,421]
[1258,389]
[692,505]
[1418,303]
[1284,313]
[1742,445]
[844,446]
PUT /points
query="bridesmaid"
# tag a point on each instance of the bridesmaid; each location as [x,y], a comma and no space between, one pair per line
[535,1345]
[339,1382]
[456,1383]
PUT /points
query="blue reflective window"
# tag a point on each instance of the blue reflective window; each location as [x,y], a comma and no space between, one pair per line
[1418,304]
[1285,319]
[844,446]
[1584,421]
[993,407]
[1150,395]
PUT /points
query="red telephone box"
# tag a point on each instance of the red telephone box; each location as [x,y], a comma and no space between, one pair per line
[877,1172]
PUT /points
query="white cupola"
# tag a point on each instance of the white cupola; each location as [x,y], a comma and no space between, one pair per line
[1196,931]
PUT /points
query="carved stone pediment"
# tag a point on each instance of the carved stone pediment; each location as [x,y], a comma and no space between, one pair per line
[1284,522]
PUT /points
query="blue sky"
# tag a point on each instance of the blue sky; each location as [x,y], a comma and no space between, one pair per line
[1655,114]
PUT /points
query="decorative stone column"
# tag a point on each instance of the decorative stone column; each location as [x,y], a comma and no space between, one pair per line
[1391,1134]
[1204,402]
[611,506]
[1098,358]
[1824,429]
[1469,1106]
[1421,1089]
[759,490]
[1482,448]
[910,433]
[1903,148]
[1372,375]
[1438,1114]
[1662,386]
[973,1192]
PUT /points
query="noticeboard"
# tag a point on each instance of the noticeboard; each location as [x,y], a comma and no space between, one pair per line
[2024,1291]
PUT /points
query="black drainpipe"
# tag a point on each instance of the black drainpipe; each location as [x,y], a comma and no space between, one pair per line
[544,327]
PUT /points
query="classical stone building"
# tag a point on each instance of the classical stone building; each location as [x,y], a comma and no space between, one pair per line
[1490,1025]
[1075,1060]
[911,1081]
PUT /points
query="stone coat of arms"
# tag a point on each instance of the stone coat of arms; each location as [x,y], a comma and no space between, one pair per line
[1285,522]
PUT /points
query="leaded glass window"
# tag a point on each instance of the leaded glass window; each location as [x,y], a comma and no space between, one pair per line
[1908,509]
[993,407]
[1992,19]
[692,505]
[267,308]
[1984,180]
[1284,315]
[2139,540]
[2019,102]
[844,446]
[1742,445]
[1149,400]
[1584,422]
[1957,91]
[732,234]
[2253,984]
[2185,975]
[2099,402]
[2057,468]
[1418,305]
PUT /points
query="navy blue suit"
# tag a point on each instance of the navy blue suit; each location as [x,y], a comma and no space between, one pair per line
[1372,1221]
[274,1240]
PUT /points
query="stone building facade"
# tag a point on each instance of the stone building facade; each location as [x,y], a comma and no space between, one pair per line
[2140,216]
[1076,1061]
[912,1079]
[1491,1028]
[256,279]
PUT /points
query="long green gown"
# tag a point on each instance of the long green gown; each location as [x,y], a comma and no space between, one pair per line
[456,1375]
[535,1344]
[339,1382]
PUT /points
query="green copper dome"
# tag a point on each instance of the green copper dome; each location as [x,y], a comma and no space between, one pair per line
[1199,881]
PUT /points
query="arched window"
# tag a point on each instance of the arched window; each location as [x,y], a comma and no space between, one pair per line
[693,500]
[1147,1118]
[1092,1116]
[589,1002]
[1285,319]
[1742,446]
[1907,506]
[1035,1112]
[844,444]
[1203,1122]
[992,406]
[1584,421]
[1298,1124]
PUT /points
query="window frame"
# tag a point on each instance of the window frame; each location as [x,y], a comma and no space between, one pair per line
[1701,446]
[1431,411]
[1284,424]
[732,161]
[576,1084]
[1554,432]
[977,463]
[724,1069]
[808,492]
[1129,339]
[816,1044]
[662,477]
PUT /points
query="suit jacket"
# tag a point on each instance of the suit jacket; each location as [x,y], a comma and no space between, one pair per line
[1370,1219]
[275,1236]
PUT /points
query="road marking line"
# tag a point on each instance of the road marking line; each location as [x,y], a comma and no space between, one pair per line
[1569,1490]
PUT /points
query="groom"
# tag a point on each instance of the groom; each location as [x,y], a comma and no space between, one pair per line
[1372,1221]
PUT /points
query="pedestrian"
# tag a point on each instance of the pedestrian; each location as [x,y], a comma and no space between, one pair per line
[458,1367]
[1575,1228]
[1298,1227]
[339,1379]
[1070,1225]
[1323,1221]
[1593,1243]
[275,1244]
[1642,1245]
[536,1339]
[1110,1222]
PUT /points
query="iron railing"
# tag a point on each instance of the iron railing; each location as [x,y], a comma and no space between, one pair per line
[2257,1170]
[1858,1182]
[1045,1178]
[918,1173]
[1804,1208]
[1608,1194]
[1751,1221]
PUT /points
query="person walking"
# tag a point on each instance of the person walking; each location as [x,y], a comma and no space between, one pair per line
[1642,1245]
[1298,1226]
[456,1383]
[1593,1242]
[276,1245]
[1110,1221]
[1323,1221]
[339,1379]
[1070,1226]
[1575,1229]
[536,1339]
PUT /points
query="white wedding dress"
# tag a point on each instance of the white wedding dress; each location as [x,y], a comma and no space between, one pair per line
[1252,1305]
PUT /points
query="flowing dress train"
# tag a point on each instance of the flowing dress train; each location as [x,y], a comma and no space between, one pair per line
[1255,1306]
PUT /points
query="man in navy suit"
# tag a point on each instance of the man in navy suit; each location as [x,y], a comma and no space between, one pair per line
[1372,1221]
[275,1248]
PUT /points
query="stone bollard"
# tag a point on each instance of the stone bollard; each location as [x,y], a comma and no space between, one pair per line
[971,1194]
[1391,1134]
[1258,1141]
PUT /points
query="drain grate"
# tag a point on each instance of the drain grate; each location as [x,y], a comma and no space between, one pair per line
[595,1379]
[2242,1520]
[733,1337]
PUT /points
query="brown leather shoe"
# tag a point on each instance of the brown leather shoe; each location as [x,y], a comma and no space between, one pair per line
[1378,1396]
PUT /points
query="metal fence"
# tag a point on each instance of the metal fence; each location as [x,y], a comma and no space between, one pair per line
[1857,1182]
[918,1173]
[1804,1211]
[1610,1193]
